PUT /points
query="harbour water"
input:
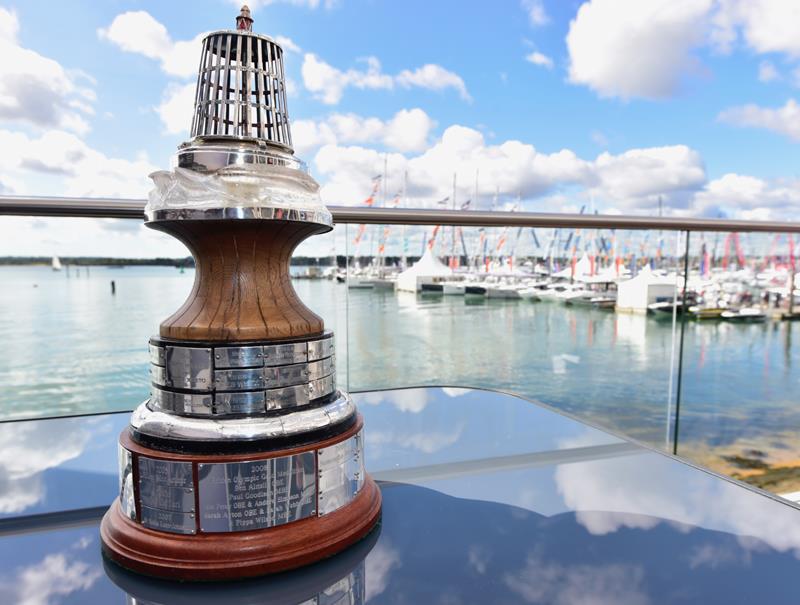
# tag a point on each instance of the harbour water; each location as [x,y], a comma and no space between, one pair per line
[73,347]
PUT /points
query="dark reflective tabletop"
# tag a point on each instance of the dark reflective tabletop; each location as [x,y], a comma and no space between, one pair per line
[487,499]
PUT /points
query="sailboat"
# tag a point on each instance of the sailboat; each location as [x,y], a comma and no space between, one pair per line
[56,264]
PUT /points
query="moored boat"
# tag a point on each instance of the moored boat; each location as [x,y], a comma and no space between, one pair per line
[453,288]
[665,309]
[744,315]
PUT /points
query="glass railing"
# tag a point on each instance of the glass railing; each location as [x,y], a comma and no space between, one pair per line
[586,314]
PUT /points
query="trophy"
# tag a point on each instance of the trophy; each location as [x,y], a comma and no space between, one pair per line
[246,459]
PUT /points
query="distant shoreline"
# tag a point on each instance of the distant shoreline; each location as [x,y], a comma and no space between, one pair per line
[101,261]
[84,261]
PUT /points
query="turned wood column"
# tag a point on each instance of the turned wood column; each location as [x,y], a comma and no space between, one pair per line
[242,287]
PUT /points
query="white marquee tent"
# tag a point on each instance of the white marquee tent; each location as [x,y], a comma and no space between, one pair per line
[427,270]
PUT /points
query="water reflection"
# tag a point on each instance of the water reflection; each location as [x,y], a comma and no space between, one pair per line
[58,464]
[497,501]
[637,493]
[53,577]
[27,449]
[434,548]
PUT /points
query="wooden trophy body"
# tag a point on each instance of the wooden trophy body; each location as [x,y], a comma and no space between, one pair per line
[242,289]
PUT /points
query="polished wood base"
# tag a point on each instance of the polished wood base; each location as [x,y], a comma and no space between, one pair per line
[228,556]
[242,287]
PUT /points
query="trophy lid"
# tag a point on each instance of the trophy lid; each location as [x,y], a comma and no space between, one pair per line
[241,88]
[239,162]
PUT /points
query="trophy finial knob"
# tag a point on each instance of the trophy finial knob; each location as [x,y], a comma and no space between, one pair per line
[244,21]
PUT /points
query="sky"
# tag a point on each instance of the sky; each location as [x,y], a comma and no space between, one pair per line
[543,105]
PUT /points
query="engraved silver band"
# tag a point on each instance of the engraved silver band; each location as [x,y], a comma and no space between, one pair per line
[159,424]
[242,495]
[319,217]
[250,403]
[235,380]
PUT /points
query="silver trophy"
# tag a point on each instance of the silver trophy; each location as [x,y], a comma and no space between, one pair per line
[246,459]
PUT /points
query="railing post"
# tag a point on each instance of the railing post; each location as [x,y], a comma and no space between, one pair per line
[684,315]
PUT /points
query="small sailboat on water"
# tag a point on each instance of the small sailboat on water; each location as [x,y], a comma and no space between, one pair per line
[56,263]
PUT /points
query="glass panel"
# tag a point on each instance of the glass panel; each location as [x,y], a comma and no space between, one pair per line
[486,499]
[531,311]
[76,336]
[738,399]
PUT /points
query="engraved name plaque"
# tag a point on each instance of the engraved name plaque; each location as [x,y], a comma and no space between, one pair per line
[126,494]
[164,520]
[189,368]
[242,496]
[166,494]
[277,355]
[341,474]
[239,357]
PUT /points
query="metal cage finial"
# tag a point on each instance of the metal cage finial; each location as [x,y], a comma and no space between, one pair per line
[244,21]
[241,87]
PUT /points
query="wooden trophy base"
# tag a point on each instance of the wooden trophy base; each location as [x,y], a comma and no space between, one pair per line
[229,556]
[321,499]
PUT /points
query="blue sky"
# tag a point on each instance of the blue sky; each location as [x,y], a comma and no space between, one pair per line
[611,103]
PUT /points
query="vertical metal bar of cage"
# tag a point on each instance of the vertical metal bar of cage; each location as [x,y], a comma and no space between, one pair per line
[215,107]
[259,86]
[276,91]
[237,106]
[198,87]
[287,133]
[245,92]
[281,102]
[268,88]
[227,96]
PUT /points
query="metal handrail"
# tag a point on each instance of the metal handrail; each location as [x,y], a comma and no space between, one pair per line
[134,209]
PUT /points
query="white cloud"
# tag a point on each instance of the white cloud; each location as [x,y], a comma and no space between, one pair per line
[408,130]
[427,442]
[378,568]
[536,12]
[9,25]
[288,44]
[37,90]
[327,83]
[767,72]
[46,582]
[765,25]
[748,198]
[642,497]
[28,449]
[631,181]
[81,170]
[433,77]
[539,59]
[412,401]
[543,581]
[139,32]
[630,48]
[784,120]
[637,177]
[176,108]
